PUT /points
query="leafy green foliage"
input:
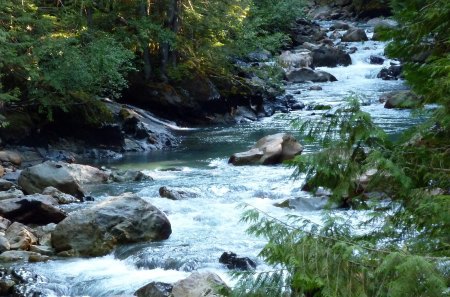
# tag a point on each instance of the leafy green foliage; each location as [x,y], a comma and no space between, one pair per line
[328,260]
[348,135]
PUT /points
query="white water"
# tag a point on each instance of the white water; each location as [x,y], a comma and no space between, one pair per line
[206,226]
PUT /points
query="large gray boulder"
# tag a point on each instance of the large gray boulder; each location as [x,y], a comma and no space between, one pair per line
[97,230]
[67,178]
[271,149]
[307,74]
[33,209]
[354,35]
[328,56]
[205,284]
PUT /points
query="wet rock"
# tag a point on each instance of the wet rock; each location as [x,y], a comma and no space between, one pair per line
[328,56]
[6,286]
[4,244]
[2,171]
[42,249]
[315,88]
[232,261]
[340,25]
[11,193]
[20,237]
[44,234]
[297,106]
[5,185]
[394,72]
[121,176]
[310,203]
[205,284]
[401,99]
[33,209]
[11,157]
[117,220]
[377,60]
[62,198]
[4,224]
[155,289]
[21,256]
[174,194]
[102,154]
[244,114]
[307,74]
[67,178]
[271,149]
[354,35]
[60,155]
[335,35]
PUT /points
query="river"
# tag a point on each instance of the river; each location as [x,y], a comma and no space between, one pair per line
[206,226]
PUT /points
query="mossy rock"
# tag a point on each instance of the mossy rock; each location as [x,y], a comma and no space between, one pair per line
[321,107]
[402,100]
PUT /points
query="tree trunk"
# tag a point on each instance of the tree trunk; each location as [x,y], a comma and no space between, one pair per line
[171,23]
[143,12]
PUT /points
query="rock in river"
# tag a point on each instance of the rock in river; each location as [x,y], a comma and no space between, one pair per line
[307,74]
[205,284]
[271,149]
[33,209]
[67,178]
[122,219]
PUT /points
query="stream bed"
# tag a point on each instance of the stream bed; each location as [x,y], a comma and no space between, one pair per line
[206,226]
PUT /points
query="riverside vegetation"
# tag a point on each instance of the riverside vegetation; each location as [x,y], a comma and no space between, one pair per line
[405,250]
[59,58]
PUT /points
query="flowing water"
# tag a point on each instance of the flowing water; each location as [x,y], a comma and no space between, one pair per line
[207,225]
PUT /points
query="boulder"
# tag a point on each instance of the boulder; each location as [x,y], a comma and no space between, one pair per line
[154,289]
[328,56]
[307,74]
[339,25]
[67,178]
[354,35]
[11,157]
[62,198]
[315,88]
[25,256]
[401,99]
[2,171]
[11,193]
[394,72]
[42,249]
[4,244]
[33,209]
[5,185]
[232,261]
[376,60]
[121,176]
[296,58]
[117,220]
[271,149]
[20,237]
[4,224]
[205,284]
[175,194]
